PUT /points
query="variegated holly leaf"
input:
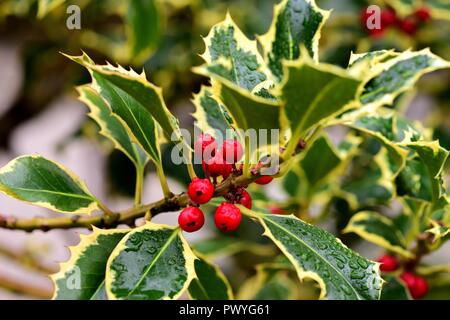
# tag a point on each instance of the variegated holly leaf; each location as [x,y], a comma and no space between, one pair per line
[379,230]
[151,262]
[439,9]
[44,183]
[312,93]
[82,277]
[340,272]
[397,75]
[389,129]
[210,283]
[394,289]
[231,55]
[440,221]
[143,100]
[247,111]
[422,176]
[110,126]
[111,84]
[210,115]
[296,23]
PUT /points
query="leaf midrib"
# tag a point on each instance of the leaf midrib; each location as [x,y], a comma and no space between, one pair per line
[309,247]
[72,195]
[155,259]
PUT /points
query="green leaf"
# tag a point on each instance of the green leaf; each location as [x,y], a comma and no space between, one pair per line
[47,184]
[422,176]
[228,246]
[45,6]
[295,23]
[110,126]
[210,283]
[143,98]
[320,160]
[378,229]
[151,262]
[316,254]
[143,28]
[398,75]
[82,277]
[394,289]
[247,111]
[312,93]
[231,55]
[209,114]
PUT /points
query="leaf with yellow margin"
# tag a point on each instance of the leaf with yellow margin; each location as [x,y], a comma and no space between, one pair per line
[83,276]
[151,262]
[44,183]
[340,272]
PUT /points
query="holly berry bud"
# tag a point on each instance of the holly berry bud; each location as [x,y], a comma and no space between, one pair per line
[205,141]
[388,263]
[191,219]
[264,180]
[417,286]
[216,166]
[227,217]
[423,14]
[232,151]
[200,190]
[245,199]
[408,25]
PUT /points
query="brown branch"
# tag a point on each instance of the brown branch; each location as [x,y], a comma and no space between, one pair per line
[24,288]
[26,259]
[106,221]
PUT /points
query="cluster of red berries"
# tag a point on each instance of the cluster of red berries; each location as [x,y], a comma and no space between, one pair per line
[219,163]
[417,285]
[389,18]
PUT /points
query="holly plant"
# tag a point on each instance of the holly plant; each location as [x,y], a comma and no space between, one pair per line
[383,181]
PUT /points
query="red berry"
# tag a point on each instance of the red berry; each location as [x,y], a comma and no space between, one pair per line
[417,286]
[232,151]
[420,288]
[264,180]
[216,166]
[191,219]
[245,199]
[200,190]
[423,14]
[377,33]
[205,142]
[388,17]
[227,217]
[388,263]
[408,25]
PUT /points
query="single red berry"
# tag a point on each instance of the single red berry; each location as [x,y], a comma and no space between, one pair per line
[420,288]
[227,217]
[200,190]
[388,263]
[408,25]
[423,14]
[191,219]
[205,142]
[388,17]
[232,151]
[245,199]
[364,17]
[264,180]
[417,286]
[216,166]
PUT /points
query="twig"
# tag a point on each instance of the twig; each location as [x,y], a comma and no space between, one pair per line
[24,288]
